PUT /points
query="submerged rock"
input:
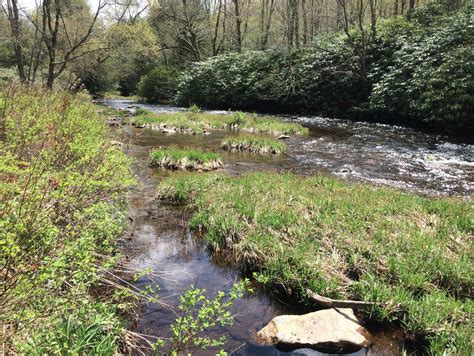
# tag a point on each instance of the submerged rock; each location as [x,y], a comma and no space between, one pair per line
[330,329]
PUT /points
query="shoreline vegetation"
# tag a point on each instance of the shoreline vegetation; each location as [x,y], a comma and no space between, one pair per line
[407,254]
[196,122]
[63,198]
[253,144]
[185,159]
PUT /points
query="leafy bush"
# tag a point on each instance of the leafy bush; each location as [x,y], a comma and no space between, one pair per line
[419,71]
[62,202]
[274,80]
[429,78]
[158,85]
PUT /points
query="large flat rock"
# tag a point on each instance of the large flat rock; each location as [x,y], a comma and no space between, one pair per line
[330,329]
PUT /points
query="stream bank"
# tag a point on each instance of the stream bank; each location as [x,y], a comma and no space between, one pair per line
[161,241]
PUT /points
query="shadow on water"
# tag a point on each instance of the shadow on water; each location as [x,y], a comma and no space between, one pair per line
[160,241]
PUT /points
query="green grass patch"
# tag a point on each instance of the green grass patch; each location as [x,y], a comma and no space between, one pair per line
[175,158]
[253,144]
[195,122]
[411,255]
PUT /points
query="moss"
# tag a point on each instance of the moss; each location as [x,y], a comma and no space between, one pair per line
[412,255]
[200,122]
[253,144]
[174,158]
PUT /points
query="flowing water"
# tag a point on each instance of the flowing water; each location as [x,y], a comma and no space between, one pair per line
[160,241]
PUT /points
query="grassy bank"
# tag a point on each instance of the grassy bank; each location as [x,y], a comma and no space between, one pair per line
[175,158]
[253,144]
[409,254]
[200,122]
[62,203]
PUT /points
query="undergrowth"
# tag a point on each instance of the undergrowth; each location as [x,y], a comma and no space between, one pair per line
[62,202]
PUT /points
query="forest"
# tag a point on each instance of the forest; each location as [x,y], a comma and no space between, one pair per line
[395,62]
[205,176]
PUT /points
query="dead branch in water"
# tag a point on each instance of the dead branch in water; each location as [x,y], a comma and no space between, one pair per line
[333,303]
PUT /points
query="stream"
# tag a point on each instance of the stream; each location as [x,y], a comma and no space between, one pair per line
[160,241]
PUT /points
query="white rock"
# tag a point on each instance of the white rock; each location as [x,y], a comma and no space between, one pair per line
[332,329]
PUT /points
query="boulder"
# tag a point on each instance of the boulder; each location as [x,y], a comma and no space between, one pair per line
[329,329]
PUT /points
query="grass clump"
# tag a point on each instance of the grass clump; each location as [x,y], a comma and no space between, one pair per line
[175,158]
[63,206]
[196,122]
[253,144]
[411,255]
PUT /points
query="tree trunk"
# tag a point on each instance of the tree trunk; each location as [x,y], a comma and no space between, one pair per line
[12,6]
[305,22]
[373,19]
[238,25]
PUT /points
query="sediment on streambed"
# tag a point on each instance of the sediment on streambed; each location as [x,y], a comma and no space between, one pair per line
[188,159]
[407,254]
[253,144]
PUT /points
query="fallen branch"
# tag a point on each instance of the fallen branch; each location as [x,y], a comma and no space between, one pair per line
[333,303]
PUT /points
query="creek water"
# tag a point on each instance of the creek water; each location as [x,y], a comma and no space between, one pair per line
[160,241]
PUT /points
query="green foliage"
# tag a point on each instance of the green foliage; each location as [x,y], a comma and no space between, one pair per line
[275,80]
[429,75]
[196,122]
[412,255]
[418,72]
[158,85]
[73,335]
[254,144]
[62,196]
[175,158]
[198,315]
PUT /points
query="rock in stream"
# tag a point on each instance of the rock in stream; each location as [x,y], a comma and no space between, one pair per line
[330,329]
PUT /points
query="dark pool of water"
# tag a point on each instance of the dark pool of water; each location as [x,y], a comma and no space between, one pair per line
[161,242]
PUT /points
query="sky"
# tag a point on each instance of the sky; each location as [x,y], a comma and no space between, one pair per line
[31,4]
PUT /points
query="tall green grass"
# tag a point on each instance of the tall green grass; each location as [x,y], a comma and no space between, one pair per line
[188,159]
[411,255]
[254,144]
[198,122]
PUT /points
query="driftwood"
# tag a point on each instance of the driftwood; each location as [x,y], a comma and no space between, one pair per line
[333,303]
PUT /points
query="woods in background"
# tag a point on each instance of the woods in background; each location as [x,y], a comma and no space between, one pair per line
[397,61]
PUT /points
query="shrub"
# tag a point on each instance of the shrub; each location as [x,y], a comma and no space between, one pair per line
[158,85]
[62,198]
[418,72]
